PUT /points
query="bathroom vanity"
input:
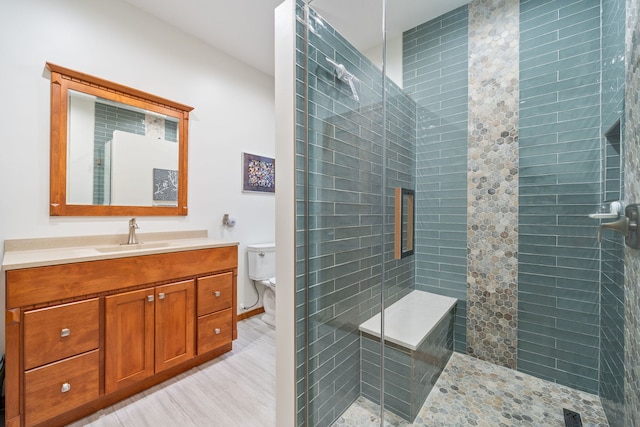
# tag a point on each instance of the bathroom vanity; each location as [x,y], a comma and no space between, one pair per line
[90,322]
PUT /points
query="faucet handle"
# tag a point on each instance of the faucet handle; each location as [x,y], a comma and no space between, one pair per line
[133,223]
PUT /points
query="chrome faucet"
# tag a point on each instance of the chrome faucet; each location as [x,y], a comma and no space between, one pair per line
[133,226]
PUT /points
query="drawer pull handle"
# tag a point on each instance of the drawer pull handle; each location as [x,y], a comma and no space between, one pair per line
[65,332]
[217,294]
[65,387]
[150,298]
[217,331]
[161,295]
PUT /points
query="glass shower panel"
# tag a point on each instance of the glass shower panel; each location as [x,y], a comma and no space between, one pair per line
[340,213]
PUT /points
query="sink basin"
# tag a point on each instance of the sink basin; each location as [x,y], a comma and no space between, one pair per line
[134,247]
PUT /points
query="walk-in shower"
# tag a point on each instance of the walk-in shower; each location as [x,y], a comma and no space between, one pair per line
[497,116]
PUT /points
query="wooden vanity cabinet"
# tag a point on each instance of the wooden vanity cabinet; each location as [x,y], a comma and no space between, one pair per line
[215,320]
[82,336]
[140,324]
[61,358]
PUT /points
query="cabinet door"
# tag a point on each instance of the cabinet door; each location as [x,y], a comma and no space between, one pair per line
[175,330]
[129,328]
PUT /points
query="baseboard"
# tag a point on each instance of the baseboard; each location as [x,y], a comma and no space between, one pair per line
[250,313]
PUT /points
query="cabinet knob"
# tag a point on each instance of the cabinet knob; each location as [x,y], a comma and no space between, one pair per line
[217,294]
[65,332]
[150,298]
[161,295]
[217,331]
[65,387]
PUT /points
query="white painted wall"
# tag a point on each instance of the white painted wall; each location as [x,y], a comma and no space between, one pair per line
[233,113]
[394,58]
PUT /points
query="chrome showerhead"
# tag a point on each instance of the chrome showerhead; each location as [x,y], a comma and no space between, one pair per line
[345,76]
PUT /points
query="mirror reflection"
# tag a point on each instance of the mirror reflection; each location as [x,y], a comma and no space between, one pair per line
[120,154]
[404,222]
[115,150]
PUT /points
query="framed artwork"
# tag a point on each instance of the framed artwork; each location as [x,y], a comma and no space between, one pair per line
[165,186]
[258,173]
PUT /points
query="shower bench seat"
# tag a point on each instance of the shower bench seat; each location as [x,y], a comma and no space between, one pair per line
[418,337]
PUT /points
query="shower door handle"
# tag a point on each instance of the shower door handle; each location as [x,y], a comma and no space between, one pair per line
[627,225]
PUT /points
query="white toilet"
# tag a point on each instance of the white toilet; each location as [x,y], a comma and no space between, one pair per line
[262,269]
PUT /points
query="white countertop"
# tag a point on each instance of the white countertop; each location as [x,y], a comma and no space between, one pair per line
[27,253]
[408,321]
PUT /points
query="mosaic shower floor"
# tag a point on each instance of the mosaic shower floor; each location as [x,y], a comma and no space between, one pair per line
[471,392]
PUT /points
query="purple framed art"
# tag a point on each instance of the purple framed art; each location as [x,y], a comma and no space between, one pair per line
[258,173]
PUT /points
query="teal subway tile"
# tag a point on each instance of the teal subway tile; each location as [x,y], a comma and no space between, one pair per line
[591,329]
[533,298]
[577,369]
[535,320]
[531,11]
[529,43]
[538,120]
[525,355]
[591,342]
[576,10]
[578,306]
[586,355]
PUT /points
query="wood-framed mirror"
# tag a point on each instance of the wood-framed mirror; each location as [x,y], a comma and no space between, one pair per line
[115,151]
[404,222]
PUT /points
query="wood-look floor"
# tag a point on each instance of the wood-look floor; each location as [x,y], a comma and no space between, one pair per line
[235,390]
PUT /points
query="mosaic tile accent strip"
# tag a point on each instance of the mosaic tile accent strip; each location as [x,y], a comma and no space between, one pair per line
[471,392]
[632,189]
[492,216]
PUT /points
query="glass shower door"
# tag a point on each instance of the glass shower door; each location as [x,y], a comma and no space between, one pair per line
[355,147]
[340,236]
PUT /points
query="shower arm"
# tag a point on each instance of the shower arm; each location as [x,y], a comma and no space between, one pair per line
[345,76]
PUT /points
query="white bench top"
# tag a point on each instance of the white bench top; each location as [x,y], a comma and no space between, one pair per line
[411,319]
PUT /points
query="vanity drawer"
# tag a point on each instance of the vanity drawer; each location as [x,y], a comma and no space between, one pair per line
[54,333]
[214,330]
[61,386]
[214,293]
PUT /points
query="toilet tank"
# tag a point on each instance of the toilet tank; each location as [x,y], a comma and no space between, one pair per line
[262,261]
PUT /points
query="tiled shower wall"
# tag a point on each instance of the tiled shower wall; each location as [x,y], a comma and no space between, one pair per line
[435,73]
[611,378]
[560,140]
[558,177]
[345,215]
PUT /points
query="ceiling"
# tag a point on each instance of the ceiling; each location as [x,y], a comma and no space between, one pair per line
[244,29]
